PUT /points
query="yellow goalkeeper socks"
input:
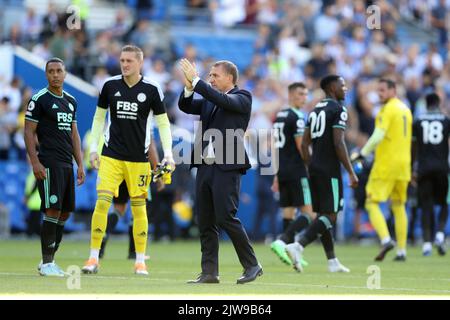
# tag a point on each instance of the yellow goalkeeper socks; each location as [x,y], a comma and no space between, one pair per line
[100,219]
[140,224]
[377,220]
[401,224]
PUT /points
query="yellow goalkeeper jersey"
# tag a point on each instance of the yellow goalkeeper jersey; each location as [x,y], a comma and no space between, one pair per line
[393,153]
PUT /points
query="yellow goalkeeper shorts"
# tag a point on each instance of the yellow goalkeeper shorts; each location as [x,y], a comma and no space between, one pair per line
[112,172]
[380,190]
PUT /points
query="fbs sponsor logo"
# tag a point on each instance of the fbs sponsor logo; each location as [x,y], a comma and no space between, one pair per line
[127,110]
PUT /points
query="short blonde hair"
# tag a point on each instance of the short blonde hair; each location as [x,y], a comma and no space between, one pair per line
[135,49]
[229,68]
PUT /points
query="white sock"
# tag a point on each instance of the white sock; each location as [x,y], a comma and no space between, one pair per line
[439,237]
[333,261]
[426,246]
[401,252]
[385,240]
[94,254]
[140,257]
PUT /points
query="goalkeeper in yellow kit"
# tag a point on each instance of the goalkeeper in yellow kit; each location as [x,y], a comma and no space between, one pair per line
[132,100]
[391,171]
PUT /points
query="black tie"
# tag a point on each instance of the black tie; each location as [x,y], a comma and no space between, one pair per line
[214,112]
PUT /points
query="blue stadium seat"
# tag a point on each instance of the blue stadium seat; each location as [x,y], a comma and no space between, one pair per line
[72,226]
[16,215]
[238,49]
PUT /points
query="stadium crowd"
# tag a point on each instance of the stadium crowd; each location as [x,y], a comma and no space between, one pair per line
[298,40]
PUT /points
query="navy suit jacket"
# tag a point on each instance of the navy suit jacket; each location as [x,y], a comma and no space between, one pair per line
[232,114]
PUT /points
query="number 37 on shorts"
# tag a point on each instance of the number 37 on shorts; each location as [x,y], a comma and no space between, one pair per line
[112,172]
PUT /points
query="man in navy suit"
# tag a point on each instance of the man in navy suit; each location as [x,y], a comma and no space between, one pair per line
[220,157]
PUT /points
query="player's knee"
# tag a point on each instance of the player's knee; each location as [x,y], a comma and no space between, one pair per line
[289,213]
[53,213]
[64,216]
[103,203]
[308,212]
[138,208]
[370,205]
[397,206]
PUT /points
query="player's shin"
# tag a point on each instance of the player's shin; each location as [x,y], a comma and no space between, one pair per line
[427,214]
[140,227]
[48,238]
[377,220]
[327,243]
[401,224]
[99,221]
[318,227]
[443,217]
[295,227]
[59,235]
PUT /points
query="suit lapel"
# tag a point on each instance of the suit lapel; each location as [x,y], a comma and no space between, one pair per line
[213,109]
[209,114]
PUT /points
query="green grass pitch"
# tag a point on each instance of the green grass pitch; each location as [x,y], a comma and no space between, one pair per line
[172,264]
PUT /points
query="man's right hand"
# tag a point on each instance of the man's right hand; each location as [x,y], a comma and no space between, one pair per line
[414,178]
[94,160]
[353,181]
[188,84]
[39,171]
[275,185]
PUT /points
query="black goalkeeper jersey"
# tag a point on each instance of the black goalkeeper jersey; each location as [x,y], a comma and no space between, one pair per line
[54,116]
[431,132]
[128,134]
[289,124]
[326,115]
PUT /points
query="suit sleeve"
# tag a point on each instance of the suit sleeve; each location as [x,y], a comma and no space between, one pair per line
[240,102]
[190,105]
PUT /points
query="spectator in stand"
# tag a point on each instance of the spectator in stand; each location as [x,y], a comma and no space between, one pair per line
[7,125]
[438,20]
[326,25]
[100,77]
[50,22]
[319,65]
[227,13]
[31,26]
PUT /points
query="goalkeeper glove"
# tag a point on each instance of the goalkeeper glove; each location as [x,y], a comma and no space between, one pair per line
[163,171]
[356,156]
